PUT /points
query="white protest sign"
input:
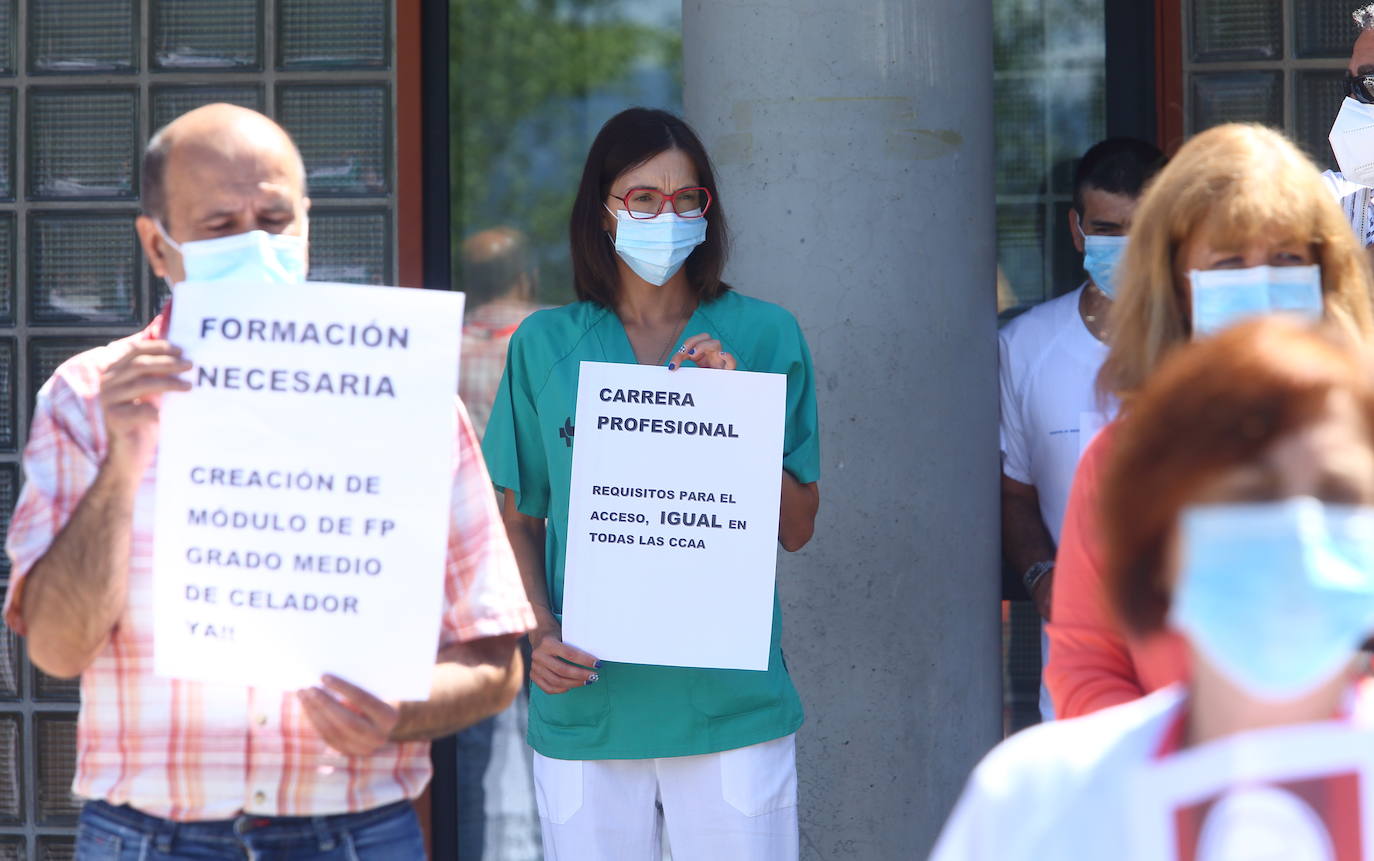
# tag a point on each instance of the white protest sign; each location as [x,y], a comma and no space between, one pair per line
[673,515]
[1298,792]
[304,486]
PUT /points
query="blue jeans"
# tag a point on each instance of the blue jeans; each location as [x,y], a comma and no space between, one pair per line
[389,833]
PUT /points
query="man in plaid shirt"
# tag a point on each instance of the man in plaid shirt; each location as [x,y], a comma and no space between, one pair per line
[172,768]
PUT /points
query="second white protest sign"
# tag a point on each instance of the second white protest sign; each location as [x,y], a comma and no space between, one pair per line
[673,516]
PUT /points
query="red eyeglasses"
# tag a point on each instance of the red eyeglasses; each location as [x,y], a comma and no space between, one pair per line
[649,202]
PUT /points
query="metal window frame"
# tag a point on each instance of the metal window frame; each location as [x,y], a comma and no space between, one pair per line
[268,78]
[1049,199]
[1289,64]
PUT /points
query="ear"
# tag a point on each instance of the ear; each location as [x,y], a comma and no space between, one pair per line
[154,248]
[609,221]
[1076,229]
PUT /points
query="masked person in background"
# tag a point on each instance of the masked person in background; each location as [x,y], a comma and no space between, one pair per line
[1237,224]
[496,809]
[1352,134]
[499,278]
[613,740]
[180,769]
[1049,358]
[1237,513]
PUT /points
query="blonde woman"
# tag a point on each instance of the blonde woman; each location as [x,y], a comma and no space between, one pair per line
[1239,222]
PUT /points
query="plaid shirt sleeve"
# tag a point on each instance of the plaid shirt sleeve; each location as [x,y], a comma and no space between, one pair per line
[483,594]
[60,463]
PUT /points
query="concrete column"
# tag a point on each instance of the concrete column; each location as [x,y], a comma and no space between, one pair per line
[854,143]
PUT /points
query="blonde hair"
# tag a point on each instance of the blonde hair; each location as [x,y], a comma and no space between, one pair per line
[1244,182]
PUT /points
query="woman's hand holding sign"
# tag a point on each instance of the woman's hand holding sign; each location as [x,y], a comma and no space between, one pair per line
[557,667]
[705,352]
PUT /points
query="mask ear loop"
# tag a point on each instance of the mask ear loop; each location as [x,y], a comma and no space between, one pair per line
[166,237]
[613,215]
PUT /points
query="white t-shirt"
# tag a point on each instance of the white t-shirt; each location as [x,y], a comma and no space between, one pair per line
[1050,407]
[1056,790]
[1355,201]
[1114,784]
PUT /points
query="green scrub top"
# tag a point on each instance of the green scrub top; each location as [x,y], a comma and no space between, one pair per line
[637,711]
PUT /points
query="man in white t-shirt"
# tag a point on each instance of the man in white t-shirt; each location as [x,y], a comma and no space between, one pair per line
[1049,358]
[1352,135]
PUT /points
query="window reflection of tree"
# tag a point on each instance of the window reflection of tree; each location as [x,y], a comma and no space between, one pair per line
[530,83]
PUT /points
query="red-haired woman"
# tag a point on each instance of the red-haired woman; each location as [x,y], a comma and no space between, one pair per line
[1238,513]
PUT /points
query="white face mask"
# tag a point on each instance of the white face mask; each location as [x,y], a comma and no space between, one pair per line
[655,248]
[1352,140]
[1224,296]
[255,256]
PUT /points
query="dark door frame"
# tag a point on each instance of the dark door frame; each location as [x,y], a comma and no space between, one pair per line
[424,251]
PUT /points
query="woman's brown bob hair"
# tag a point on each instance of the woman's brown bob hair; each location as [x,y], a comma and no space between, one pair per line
[1242,183]
[627,140]
[1212,407]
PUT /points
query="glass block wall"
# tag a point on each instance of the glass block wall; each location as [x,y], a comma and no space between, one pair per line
[83,83]
[1277,62]
[1049,78]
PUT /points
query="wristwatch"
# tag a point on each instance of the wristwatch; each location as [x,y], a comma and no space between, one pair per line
[1035,574]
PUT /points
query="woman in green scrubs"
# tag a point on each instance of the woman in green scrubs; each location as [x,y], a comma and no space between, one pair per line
[614,741]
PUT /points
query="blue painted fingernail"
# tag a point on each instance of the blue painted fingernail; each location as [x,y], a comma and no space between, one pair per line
[672,365]
[592,678]
[596,664]
[692,352]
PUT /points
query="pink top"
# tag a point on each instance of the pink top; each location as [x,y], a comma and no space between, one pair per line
[1092,662]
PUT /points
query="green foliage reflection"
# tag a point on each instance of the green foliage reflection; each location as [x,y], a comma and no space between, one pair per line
[530,82]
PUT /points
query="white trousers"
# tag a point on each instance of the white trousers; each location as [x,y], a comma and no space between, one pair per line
[736,805]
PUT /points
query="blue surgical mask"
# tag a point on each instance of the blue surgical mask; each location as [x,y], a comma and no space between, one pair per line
[1100,257]
[1224,296]
[655,248]
[255,256]
[1278,596]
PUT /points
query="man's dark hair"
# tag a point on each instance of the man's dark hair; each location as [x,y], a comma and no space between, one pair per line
[627,140]
[1116,166]
[493,263]
[152,193]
